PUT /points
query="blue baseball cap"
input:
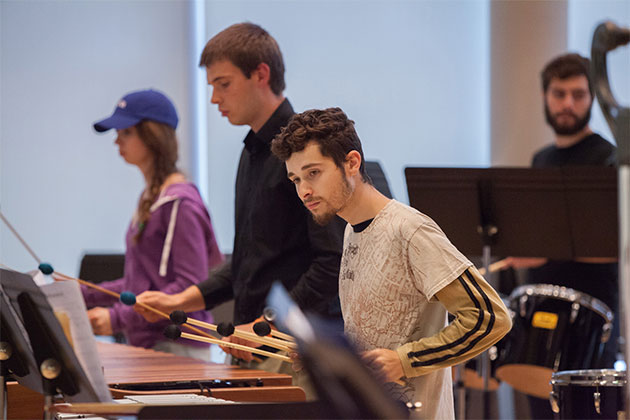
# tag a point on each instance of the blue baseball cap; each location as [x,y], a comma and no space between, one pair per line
[138,106]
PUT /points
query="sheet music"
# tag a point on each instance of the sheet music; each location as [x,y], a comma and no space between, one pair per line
[65,296]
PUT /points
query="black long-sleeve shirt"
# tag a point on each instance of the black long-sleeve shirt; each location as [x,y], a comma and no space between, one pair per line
[275,238]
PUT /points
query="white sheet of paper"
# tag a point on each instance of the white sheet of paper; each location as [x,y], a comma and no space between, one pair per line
[65,296]
[39,278]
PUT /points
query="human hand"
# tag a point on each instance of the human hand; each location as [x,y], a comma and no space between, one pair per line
[297,364]
[189,300]
[384,363]
[157,300]
[241,354]
[100,321]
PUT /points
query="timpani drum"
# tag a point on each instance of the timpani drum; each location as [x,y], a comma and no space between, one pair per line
[555,328]
[588,394]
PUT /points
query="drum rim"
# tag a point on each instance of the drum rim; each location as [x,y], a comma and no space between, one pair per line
[567,294]
[589,377]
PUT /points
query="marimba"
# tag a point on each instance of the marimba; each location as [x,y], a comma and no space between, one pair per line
[133,370]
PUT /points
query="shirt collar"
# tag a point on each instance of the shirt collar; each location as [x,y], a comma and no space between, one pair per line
[360,227]
[255,142]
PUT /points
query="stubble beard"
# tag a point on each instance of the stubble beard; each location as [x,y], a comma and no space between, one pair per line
[325,218]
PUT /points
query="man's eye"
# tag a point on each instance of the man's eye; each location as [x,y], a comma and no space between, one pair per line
[313,173]
[579,95]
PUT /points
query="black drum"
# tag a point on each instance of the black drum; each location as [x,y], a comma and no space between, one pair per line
[588,394]
[554,329]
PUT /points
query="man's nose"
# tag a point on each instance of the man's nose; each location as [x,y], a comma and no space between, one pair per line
[568,101]
[304,190]
[214,98]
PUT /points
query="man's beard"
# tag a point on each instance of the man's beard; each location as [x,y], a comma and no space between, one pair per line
[324,218]
[567,130]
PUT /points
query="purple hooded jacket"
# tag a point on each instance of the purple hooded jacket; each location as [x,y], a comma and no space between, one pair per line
[176,250]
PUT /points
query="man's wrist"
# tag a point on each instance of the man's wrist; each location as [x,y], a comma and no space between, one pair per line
[178,301]
[190,300]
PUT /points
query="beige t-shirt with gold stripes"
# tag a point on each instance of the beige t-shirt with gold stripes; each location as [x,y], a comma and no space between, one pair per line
[390,273]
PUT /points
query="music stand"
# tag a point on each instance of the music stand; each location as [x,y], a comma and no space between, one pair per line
[525,212]
[57,366]
[345,387]
[16,357]
[536,212]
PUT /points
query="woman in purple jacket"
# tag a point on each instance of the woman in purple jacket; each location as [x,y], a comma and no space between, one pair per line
[170,241]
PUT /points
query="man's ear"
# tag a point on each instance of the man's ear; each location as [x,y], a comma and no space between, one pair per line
[353,162]
[262,73]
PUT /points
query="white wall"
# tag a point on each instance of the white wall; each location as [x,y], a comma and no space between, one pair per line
[64,65]
[413,75]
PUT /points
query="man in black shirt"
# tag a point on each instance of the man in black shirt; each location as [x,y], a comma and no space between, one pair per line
[568,101]
[276,238]
[568,98]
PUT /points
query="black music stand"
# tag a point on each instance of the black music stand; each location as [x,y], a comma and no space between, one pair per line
[16,358]
[557,213]
[344,385]
[56,364]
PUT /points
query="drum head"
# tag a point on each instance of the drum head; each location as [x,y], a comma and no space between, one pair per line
[473,380]
[529,379]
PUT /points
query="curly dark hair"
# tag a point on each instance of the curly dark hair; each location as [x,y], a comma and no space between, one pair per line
[246,45]
[330,128]
[565,66]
